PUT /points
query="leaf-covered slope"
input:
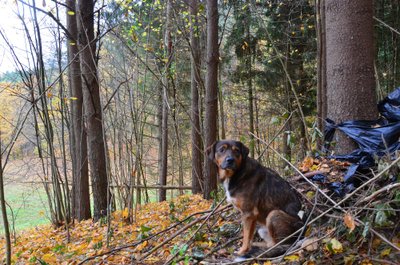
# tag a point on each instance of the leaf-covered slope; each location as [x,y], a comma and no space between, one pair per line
[44,244]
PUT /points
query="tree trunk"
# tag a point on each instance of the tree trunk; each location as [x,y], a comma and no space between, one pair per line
[93,110]
[4,211]
[80,185]
[165,86]
[211,96]
[321,68]
[197,173]
[350,64]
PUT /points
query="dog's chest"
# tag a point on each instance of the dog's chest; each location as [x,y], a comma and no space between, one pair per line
[229,198]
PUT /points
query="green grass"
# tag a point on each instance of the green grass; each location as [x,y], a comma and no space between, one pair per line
[29,206]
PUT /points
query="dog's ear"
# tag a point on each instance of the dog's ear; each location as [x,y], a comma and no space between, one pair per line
[210,151]
[244,150]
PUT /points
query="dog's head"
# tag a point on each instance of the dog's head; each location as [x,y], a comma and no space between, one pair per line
[228,155]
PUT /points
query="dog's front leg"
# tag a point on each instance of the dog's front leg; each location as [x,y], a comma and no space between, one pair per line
[249,225]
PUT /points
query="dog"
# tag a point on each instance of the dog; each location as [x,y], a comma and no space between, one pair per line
[258,192]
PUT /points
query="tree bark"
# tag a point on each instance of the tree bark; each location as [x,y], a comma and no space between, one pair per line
[80,185]
[321,67]
[93,110]
[4,211]
[350,64]
[211,95]
[197,171]
[165,86]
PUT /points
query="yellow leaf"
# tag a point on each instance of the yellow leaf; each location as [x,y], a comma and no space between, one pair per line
[142,246]
[49,258]
[73,98]
[349,260]
[385,252]
[292,258]
[125,213]
[349,221]
[49,94]
[72,43]
[267,262]
[70,13]
[334,246]
[310,194]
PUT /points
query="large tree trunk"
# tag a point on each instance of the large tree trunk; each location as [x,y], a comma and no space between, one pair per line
[80,181]
[321,68]
[93,110]
[349,64]
[211,97]
[197,171]
[166,82]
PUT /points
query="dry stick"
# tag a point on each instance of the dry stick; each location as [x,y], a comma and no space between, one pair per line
[386,25]
[290,252]
[376,193]
[277,134]
[181,230]
[198,229]
[337,204]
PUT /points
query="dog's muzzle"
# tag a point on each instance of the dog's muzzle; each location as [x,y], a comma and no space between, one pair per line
[229,163]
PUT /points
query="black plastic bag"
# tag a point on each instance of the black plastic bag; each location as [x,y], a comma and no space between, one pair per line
[374,139]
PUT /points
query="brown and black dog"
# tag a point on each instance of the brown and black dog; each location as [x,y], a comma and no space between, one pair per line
[259,193]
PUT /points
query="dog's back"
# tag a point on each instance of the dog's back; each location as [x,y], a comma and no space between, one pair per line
[263,188]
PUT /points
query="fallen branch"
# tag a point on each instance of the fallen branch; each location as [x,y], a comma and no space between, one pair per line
[309,174]
[215,210]
[376,193]
[198,229]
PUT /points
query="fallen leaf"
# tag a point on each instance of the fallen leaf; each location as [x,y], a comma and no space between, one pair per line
[349,221]
[385,252]
[310,244]
[334,246]
[49,258]
[349,260]
[292,258]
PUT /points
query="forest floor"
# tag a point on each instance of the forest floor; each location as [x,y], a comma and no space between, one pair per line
[361,228]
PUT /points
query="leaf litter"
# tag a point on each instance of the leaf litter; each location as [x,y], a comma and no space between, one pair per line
[191,230]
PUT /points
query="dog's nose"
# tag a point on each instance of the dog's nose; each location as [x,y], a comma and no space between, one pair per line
[229,160]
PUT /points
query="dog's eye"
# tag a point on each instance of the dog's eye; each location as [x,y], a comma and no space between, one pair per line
[221,149]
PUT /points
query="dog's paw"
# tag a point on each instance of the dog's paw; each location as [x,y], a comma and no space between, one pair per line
[241,252]
[241,258]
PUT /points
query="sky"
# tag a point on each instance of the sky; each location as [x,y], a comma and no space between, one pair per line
[11,27]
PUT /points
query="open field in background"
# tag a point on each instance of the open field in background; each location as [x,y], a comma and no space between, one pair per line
[28,204]
[27,200]
[25,194]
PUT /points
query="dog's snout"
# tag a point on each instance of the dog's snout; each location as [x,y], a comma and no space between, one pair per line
[229,160]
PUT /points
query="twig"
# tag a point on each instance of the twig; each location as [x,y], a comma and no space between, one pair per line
[376,193]
[197,230]
[309,174]
[180,231]
[277,134]
[386,25]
